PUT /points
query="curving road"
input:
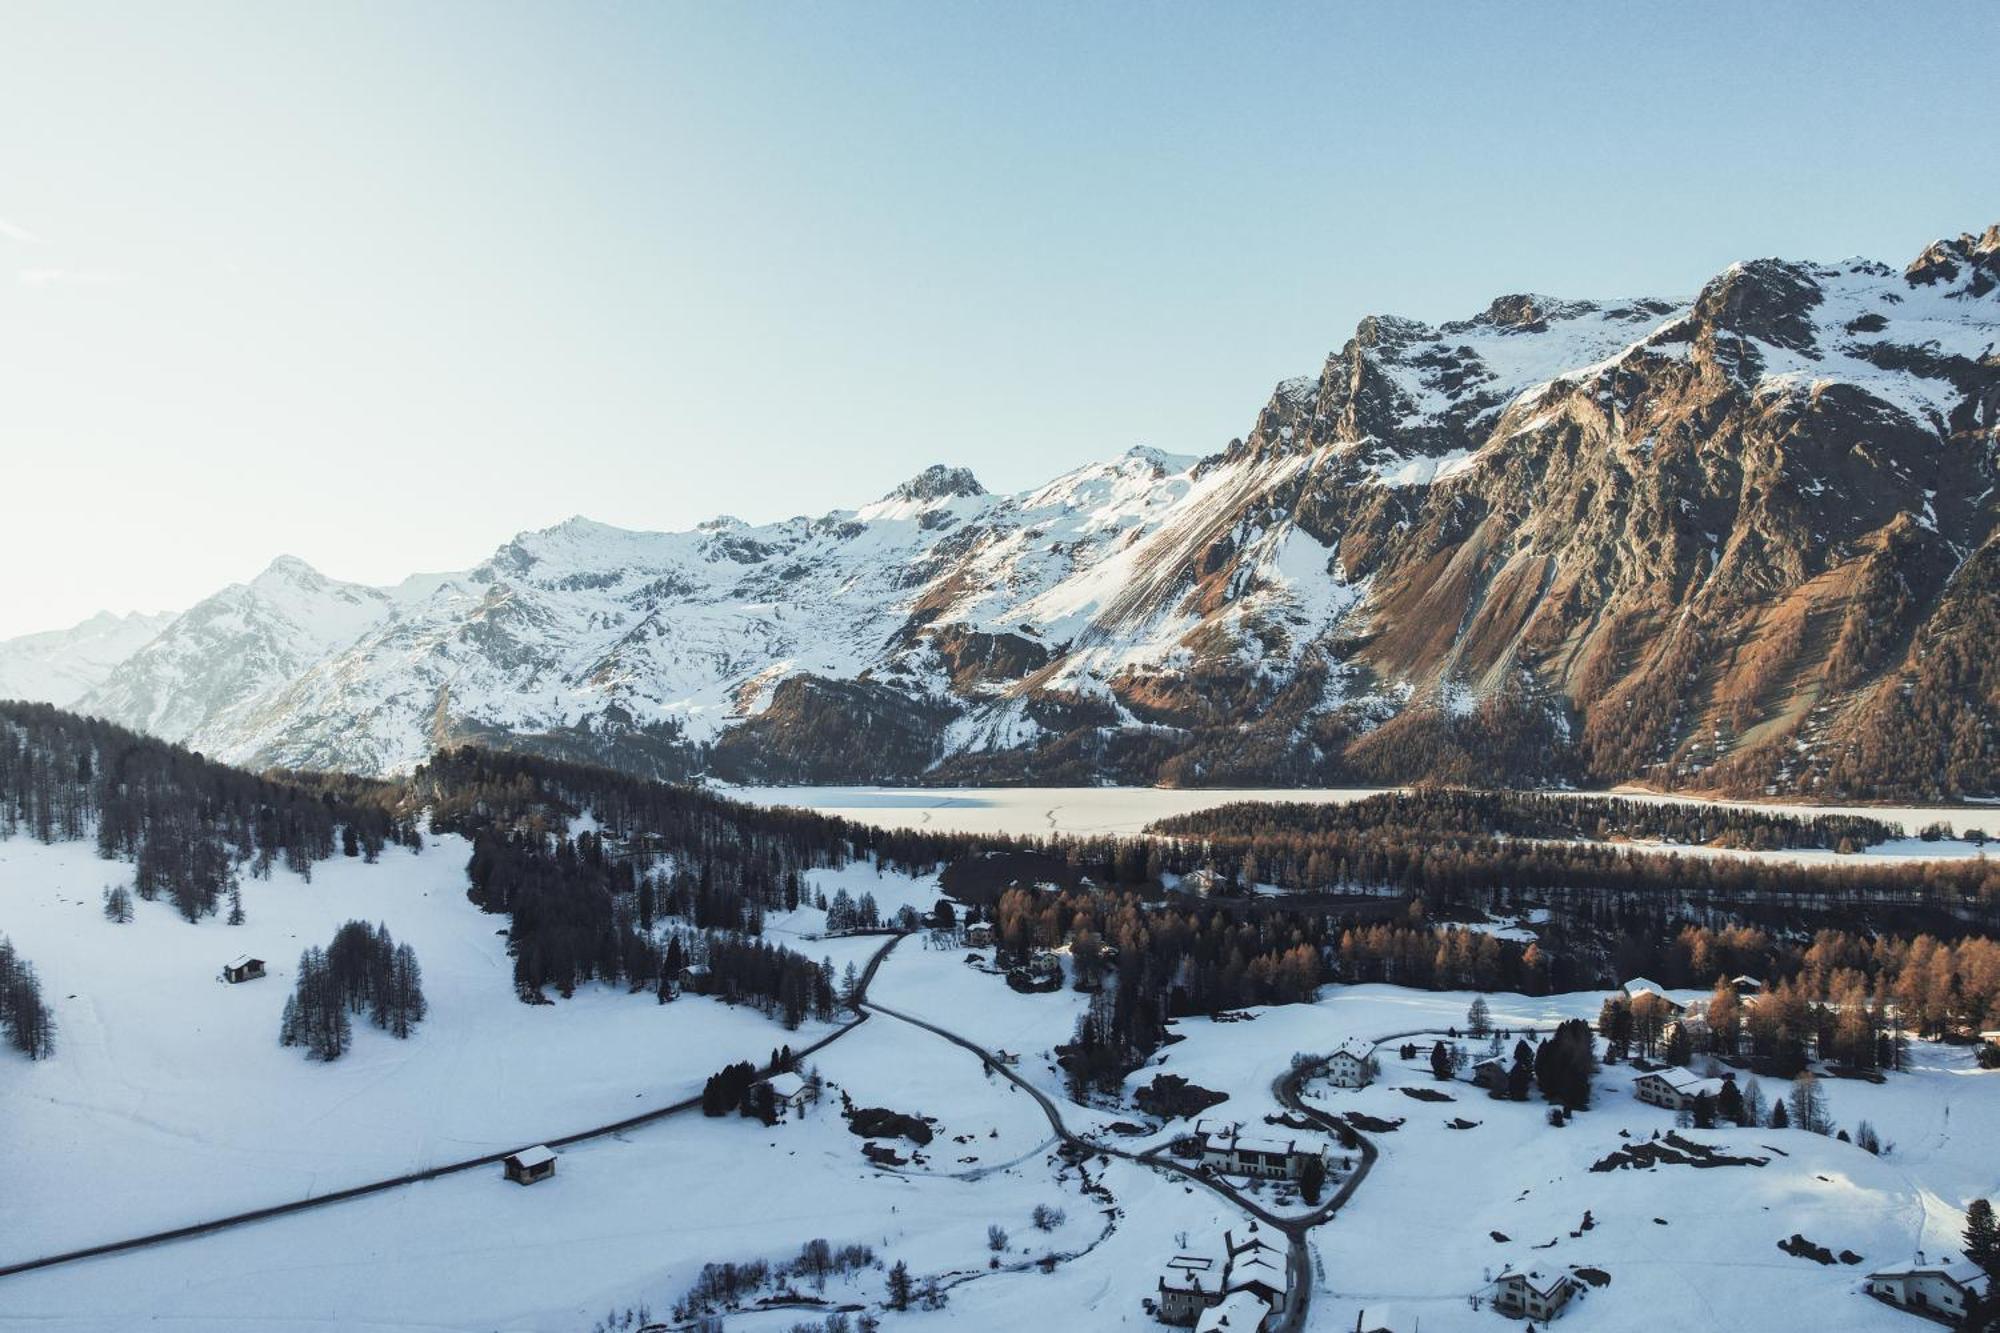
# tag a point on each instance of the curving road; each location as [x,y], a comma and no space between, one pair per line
[1286,1088]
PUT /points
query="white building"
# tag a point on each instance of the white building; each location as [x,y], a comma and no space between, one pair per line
[791,1092]
[1944,1289]
[1189,1284]
[1530,1295]
[1675,1089]
[1234,1288]
[1351,1065]
[1227,1149]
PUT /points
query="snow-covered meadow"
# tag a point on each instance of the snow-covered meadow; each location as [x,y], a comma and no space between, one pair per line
[170,1101]
[630,1220]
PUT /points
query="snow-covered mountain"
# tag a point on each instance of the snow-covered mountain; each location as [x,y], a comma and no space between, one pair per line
[197,678]
[1742,541]
[60,666]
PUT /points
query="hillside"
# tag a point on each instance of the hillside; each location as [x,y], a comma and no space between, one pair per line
[1743,543]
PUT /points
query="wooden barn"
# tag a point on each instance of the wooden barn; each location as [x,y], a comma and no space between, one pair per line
[245,968]
[530,1165]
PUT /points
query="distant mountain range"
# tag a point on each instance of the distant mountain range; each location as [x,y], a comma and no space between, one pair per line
[1744,543]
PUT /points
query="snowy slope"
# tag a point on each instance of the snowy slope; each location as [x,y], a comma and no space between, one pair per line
[173,1084]
[60,666]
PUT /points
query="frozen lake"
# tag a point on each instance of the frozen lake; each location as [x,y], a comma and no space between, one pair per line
[1088,810]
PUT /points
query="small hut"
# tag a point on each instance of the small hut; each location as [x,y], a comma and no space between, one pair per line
[530,1165]
[245,968]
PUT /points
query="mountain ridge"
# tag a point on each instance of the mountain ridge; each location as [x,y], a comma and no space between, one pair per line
[1730,543]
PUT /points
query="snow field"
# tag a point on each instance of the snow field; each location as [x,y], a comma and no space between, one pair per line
[170,1095]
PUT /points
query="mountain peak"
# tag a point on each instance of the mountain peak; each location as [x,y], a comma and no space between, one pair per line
[938,482]
[1945,260]
[288,569]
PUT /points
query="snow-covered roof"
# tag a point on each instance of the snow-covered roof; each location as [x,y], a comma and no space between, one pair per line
[786,1086]
[1964,1272]
[1250,1243]
[1192,1272]
[1541,1284]
[1686,1083]
[1238,1312]
[1355,1047]
[1256,1268]
[243,960]
[1262,1144]
[532,1157]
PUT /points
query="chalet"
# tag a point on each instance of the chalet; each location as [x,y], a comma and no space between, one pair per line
[1225,1148]
[697,977]
[1190,1284]
[1675,1089]
[1492,1075]
[979,935]
[1351,1065]
[1204,881]
[1238,1312]
[1239,1284]
[245,968]
[1257,1268]
[792,1093]
[1944,1290]
[1747,985]
[530,1165]
[1530,1295]
[1638,986]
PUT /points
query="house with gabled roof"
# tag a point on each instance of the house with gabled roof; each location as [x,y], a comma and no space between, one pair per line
[1238,1312]
[1224,1147]
[1229,1289]
[1527,1294]
[1944,1288]
[1675,1089]
[1352,1064]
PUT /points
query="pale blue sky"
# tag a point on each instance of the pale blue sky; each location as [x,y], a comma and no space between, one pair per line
[381,284]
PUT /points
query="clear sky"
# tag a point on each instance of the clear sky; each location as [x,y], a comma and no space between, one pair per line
[380,284]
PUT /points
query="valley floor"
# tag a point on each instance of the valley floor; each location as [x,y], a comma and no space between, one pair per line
[1087,811]
[169,1100]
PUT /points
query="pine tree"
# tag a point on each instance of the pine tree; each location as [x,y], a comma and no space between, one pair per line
[1982,1236]
[1312,1178]
[1809,1109]
[899,1286]
[1729,1103]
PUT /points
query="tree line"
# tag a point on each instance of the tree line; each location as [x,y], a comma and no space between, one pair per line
[186,823]
[25,1020]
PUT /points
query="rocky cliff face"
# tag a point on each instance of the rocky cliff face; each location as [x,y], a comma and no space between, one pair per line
[1742,543]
